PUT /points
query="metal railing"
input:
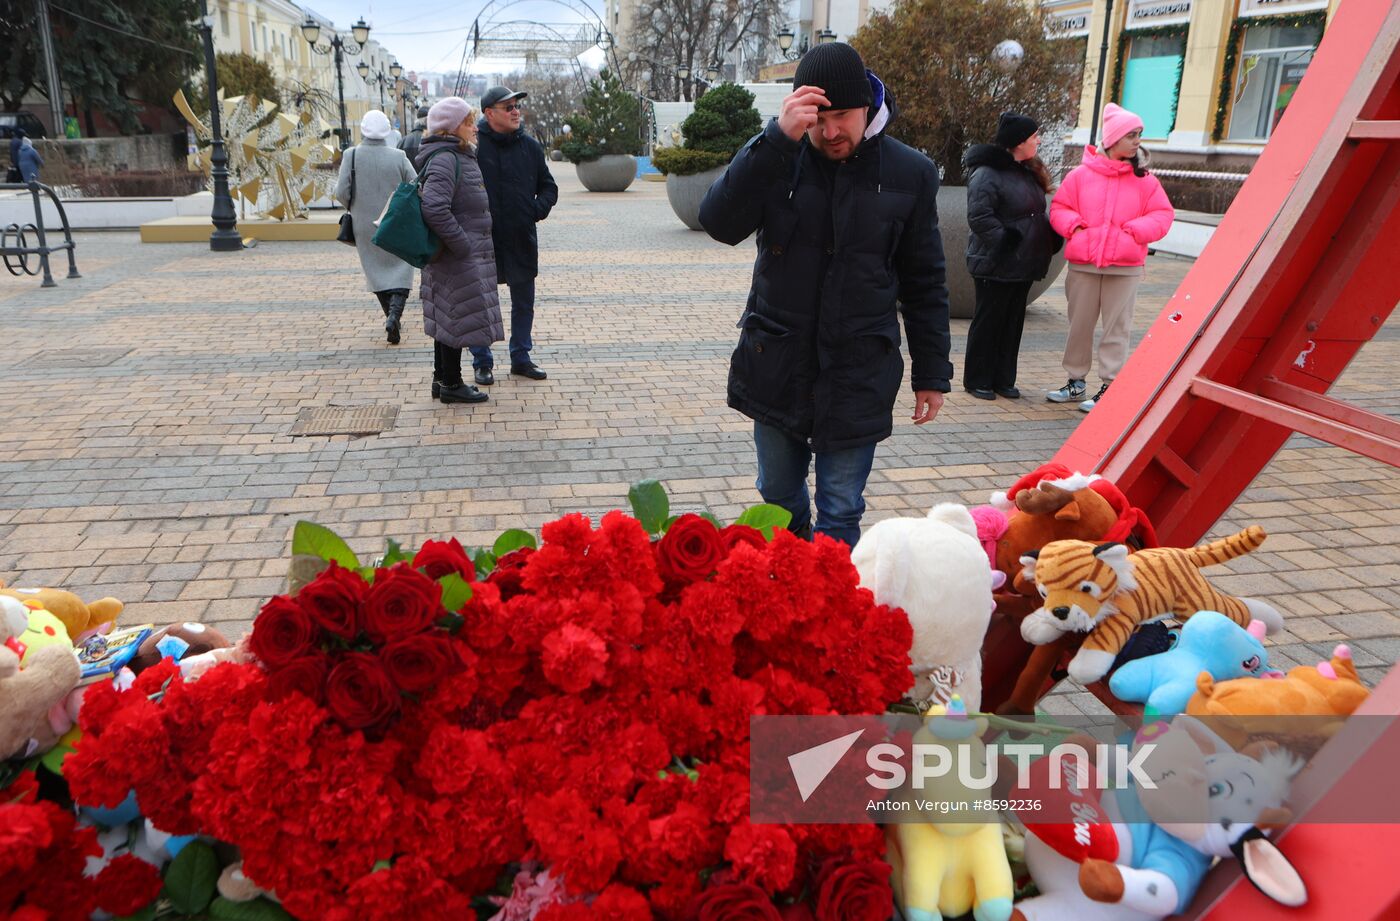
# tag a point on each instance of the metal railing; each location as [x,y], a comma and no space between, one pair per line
[16,254]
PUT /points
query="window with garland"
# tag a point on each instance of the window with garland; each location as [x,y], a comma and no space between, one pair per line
[1272,61]
[1152,80]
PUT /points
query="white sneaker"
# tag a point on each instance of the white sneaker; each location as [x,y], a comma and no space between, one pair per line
[1072,390]
[1089,403]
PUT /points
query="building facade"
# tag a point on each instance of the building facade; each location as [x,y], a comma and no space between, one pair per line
[270,30]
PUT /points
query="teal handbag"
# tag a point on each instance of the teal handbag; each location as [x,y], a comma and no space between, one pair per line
[402,230]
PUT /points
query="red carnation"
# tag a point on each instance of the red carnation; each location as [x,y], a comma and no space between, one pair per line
[282,633]
[333,600]
[854,892]
[437,558]
[359,694]
[733,902]
[305,676]
[127,885]
[416,663]
[762,854]
[401,602]
[574,657]
[737,534]
[690,550]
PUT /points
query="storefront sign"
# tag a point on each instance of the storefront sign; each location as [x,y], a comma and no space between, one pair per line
[1072,23]
[1271,7]
[1144,14]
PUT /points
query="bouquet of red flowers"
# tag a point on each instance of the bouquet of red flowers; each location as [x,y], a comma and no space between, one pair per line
[558,732]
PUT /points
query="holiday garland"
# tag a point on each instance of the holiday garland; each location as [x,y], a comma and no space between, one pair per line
[1235,45]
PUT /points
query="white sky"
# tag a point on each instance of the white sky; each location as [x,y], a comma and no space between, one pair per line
[429,35]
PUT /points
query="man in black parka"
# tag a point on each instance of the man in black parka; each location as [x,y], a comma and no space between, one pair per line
[847,225]
[522,192]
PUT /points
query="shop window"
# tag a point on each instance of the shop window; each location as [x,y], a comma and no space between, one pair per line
[1271,64]
[1152,81]
[223,21]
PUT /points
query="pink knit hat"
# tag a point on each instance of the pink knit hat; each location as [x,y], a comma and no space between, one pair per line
[447,114]
[1118,121]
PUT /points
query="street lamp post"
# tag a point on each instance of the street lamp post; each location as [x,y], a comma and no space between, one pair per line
[785,41]
[311,31]
[225,236]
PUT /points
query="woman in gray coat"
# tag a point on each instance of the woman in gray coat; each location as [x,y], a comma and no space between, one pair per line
[377,169]
[460,305]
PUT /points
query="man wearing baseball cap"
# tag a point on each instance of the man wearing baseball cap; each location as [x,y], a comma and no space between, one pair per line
[847,227]
[522,192]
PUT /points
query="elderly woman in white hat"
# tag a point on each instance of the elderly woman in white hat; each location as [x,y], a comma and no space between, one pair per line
[369,174]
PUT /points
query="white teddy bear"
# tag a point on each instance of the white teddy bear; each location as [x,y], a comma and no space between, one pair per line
[937,571]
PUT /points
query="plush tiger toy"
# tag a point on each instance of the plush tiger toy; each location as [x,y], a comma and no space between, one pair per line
[1106,591]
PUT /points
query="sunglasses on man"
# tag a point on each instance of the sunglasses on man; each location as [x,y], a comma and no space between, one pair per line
[512,107]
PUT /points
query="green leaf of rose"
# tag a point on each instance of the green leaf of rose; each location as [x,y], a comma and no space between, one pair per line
[259,909]
[394,553]
[513,539]
[456,592]
[484,561]
[311,539]
[650,505]
[766,518]
[191,877]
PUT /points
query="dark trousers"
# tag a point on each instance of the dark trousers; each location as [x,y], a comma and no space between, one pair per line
[447,365]
[522,320]
[994,339]
[387,295]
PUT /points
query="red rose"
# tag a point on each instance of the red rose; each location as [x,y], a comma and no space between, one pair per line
[690,550]
[733,902]
[416,663]
[509,574]
[437,558]
[359,694]
[401,602]
[127,885]
[305,676]
[854,892]
[333,600]
[282,633]
[737,534]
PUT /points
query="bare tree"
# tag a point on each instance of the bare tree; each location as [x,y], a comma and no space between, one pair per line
[694,34]
[555,94]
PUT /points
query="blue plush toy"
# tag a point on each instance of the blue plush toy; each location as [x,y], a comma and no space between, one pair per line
[1209,642]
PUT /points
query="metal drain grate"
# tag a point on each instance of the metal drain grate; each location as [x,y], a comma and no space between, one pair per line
[76,358]
[345,420]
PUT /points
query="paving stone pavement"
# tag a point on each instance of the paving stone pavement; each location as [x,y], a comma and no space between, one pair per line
[149,406]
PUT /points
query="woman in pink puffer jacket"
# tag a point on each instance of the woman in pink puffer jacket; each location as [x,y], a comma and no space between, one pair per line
[1108,209]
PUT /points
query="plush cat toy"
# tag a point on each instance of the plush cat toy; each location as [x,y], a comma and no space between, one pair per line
[1140,854]
[1209,642]
[1106,592]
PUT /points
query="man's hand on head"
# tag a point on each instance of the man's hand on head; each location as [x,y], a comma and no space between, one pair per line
[927,403]
[799,112]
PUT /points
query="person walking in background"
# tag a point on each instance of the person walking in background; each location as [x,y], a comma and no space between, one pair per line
[12,173]
[29,161]
[522,192]
[414,139]
[461,308]
[1008,249]
[1109,209]
[847,222]
[369,173]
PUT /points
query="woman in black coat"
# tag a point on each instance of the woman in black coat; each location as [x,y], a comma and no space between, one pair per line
[1008,250]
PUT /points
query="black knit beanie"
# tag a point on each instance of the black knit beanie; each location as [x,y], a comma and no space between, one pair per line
[1014,129]
[836,68]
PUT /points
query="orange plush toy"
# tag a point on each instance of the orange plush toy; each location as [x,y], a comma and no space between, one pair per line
[1051,503]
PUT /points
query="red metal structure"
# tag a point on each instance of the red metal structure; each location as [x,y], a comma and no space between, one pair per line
[1303,270]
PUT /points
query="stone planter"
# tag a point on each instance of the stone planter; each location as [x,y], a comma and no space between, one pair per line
[686,192]
[556,155]
[609,173]
[952,223]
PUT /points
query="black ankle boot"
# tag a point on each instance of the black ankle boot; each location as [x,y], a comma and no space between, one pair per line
[391,322]
[461,393]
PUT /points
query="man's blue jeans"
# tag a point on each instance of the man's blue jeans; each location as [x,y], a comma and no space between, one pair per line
[522,319]
[783,462]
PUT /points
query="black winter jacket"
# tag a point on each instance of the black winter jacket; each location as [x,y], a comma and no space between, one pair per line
[522,192]
[1008,214]
[413,141]
[838,245]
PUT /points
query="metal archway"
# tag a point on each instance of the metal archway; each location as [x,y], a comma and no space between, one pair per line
[520,38]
